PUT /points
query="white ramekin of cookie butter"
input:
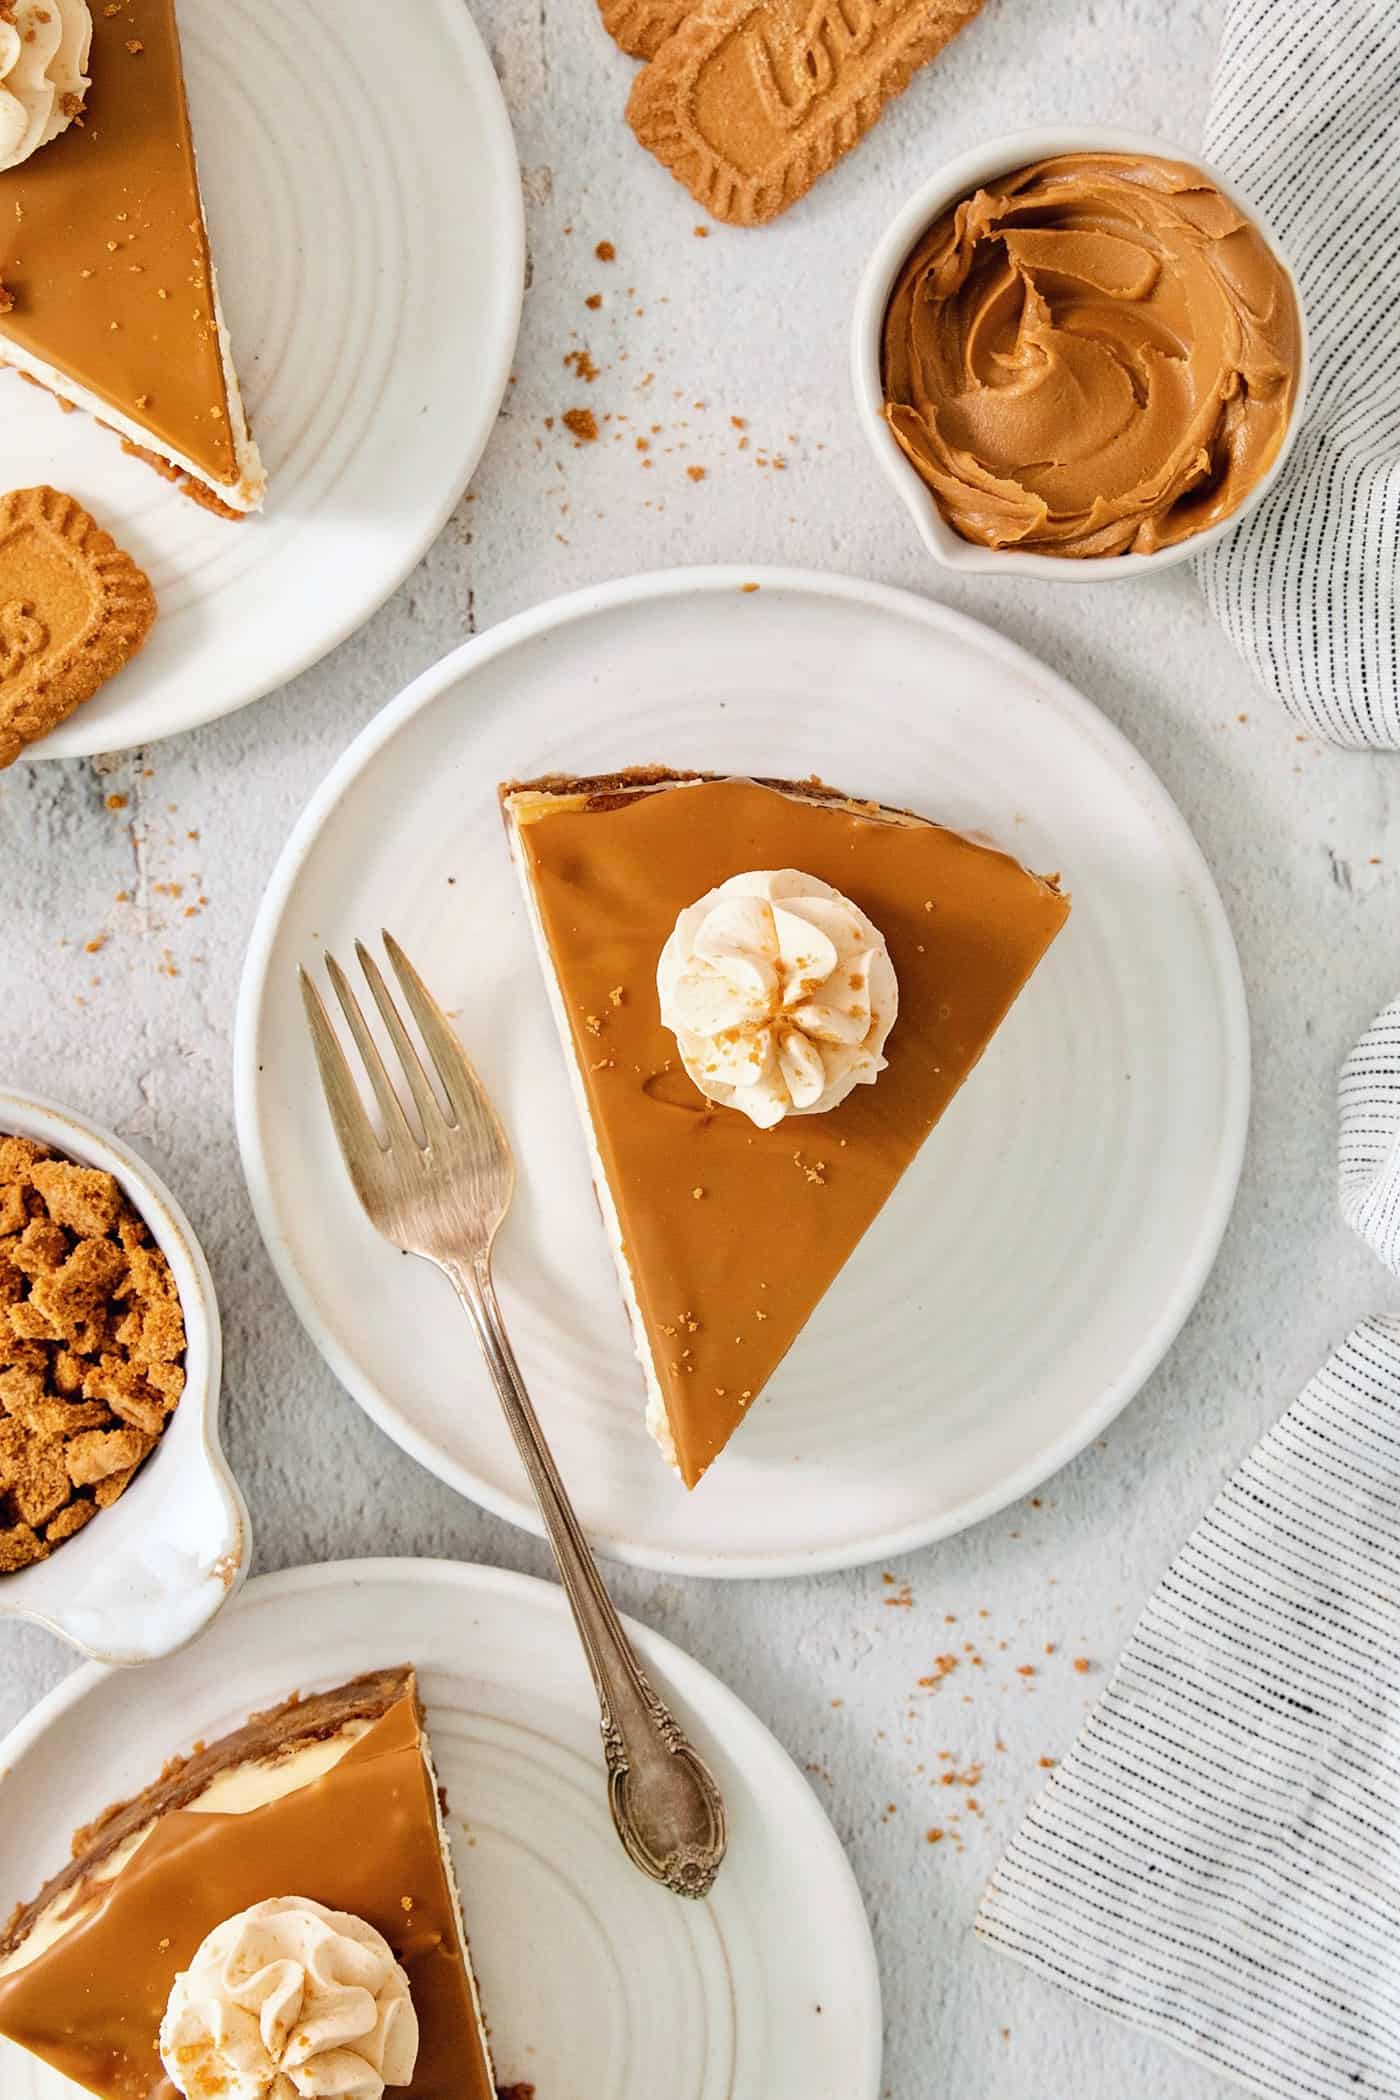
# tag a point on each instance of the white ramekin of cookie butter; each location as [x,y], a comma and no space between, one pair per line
[945,410]
[148,1571]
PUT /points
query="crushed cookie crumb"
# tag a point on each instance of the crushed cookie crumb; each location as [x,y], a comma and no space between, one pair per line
[605,252]
[582,425]
[695,473]
[92,1345]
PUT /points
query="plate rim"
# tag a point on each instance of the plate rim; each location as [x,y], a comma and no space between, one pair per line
[498,137]
[554,614]
[486,1579]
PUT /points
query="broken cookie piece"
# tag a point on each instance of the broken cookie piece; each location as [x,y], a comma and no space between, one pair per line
[92,1346]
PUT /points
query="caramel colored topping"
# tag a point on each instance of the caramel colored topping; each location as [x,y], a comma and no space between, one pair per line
[78,304]
[705,1199]
[362,1838]
[1095,355]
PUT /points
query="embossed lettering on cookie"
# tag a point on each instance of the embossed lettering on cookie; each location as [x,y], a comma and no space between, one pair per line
[73,609]
[747,102]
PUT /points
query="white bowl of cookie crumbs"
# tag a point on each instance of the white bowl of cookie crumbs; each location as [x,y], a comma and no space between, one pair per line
[122,1529]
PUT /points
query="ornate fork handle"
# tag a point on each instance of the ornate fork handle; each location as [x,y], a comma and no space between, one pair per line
[667,1808]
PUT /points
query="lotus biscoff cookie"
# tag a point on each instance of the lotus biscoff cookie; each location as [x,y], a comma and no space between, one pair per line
[749,101]
[641,27]
[73,609]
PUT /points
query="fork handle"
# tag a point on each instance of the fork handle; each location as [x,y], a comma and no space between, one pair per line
[667,1808]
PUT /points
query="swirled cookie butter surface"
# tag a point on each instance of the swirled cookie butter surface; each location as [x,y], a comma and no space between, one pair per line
[1097,354]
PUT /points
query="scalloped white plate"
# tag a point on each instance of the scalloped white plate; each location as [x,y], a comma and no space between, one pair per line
[596,1983]
[1047,1244]
[364,205]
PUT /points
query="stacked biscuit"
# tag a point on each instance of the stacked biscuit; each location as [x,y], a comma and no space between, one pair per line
[749,101]
[92,1342]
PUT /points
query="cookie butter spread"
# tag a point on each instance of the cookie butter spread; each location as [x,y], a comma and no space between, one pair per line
[780,993]
[291,2001]
[1094,355]
[44,46]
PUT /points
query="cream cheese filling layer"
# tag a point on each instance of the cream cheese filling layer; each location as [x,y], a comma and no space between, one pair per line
[657,1420]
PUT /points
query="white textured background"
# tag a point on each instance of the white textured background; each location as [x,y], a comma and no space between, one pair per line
[1304,842]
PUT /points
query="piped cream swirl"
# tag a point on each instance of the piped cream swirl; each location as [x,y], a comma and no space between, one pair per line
[44,46]
[780,993]
[291,2001]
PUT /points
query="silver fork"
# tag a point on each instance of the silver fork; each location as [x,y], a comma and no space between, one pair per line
[443,1195]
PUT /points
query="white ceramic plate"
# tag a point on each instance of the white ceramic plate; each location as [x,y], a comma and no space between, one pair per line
[364,206]
[595,1981]
[1042,1252]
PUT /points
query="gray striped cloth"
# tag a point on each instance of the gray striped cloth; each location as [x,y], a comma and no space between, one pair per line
[1305,116]
[1370,1147]
[1217,1860]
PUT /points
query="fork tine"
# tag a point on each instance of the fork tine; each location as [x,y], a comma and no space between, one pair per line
[359,1144]
[392,1109]
[454,1068]
[429,1107]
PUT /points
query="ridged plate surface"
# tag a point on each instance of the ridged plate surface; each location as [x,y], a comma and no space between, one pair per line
[363,200]
[595,1982]
[1036,1260]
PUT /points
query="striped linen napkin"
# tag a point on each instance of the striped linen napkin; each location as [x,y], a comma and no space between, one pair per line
[1305,116]
[1218,1858]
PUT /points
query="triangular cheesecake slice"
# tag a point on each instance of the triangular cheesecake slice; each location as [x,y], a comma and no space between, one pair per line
[108,293]
[727,1234]
[330,1798]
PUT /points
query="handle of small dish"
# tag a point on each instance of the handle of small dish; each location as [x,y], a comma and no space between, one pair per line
[667,1808]
[155,1590]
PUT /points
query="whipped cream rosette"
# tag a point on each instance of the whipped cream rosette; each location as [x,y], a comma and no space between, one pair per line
[291,2001]
[44,46]
[780,993]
